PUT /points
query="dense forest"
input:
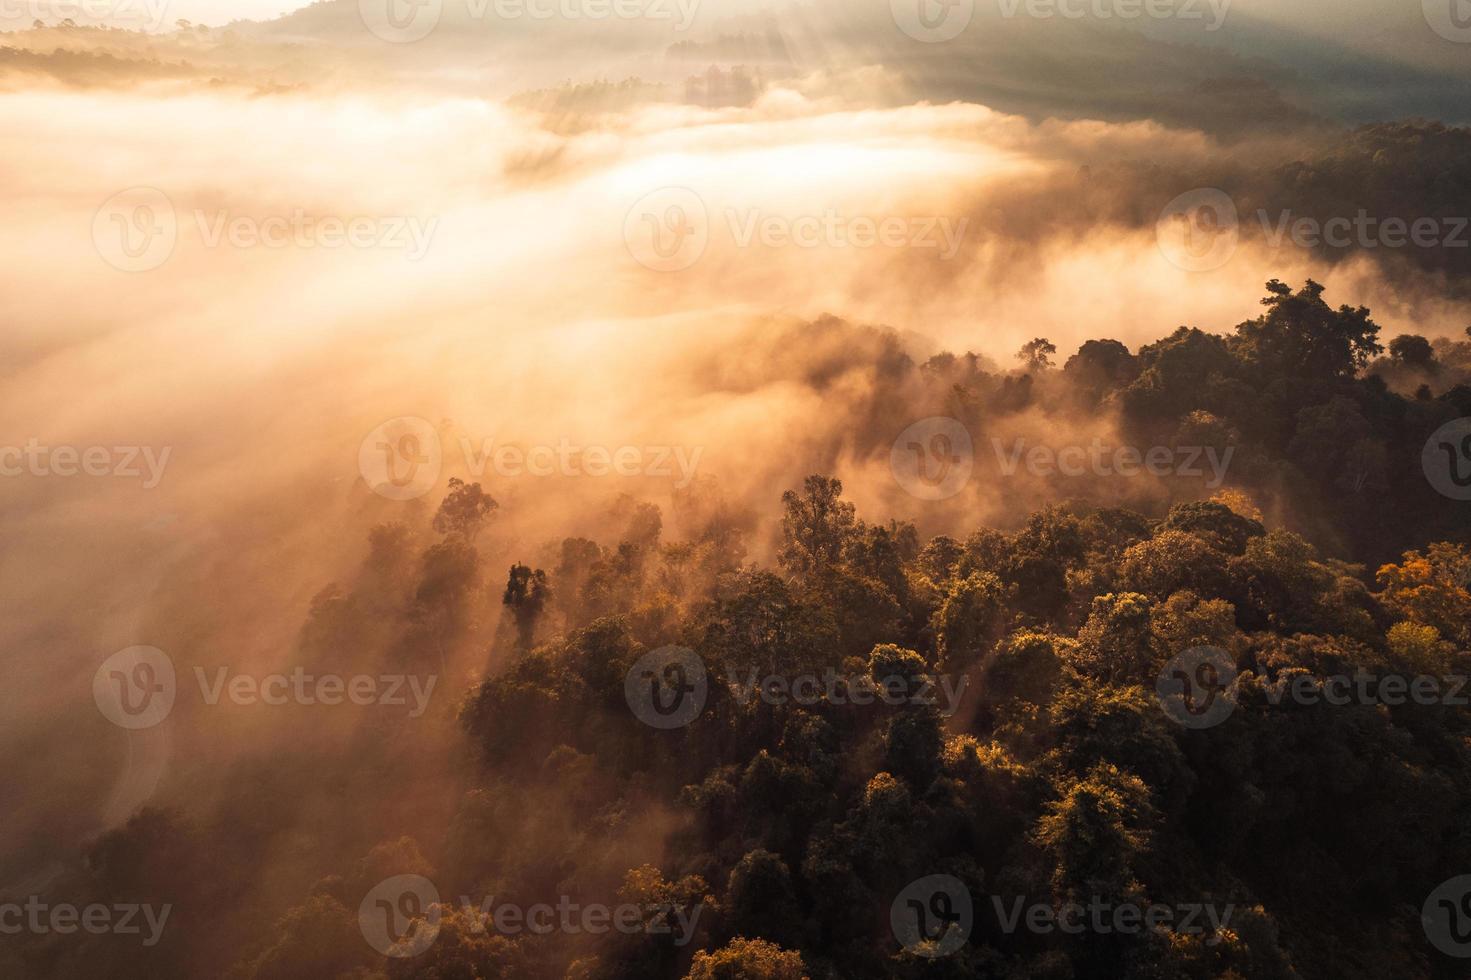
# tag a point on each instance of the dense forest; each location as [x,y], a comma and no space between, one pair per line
[1021,750]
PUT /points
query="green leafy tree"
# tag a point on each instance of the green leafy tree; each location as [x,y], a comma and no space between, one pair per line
[816,526]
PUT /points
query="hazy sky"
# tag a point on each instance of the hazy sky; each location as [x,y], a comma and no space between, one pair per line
[224,11]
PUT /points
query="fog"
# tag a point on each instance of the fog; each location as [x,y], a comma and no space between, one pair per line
[503,292]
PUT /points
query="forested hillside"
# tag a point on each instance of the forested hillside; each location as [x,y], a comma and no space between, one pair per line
[881,753]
